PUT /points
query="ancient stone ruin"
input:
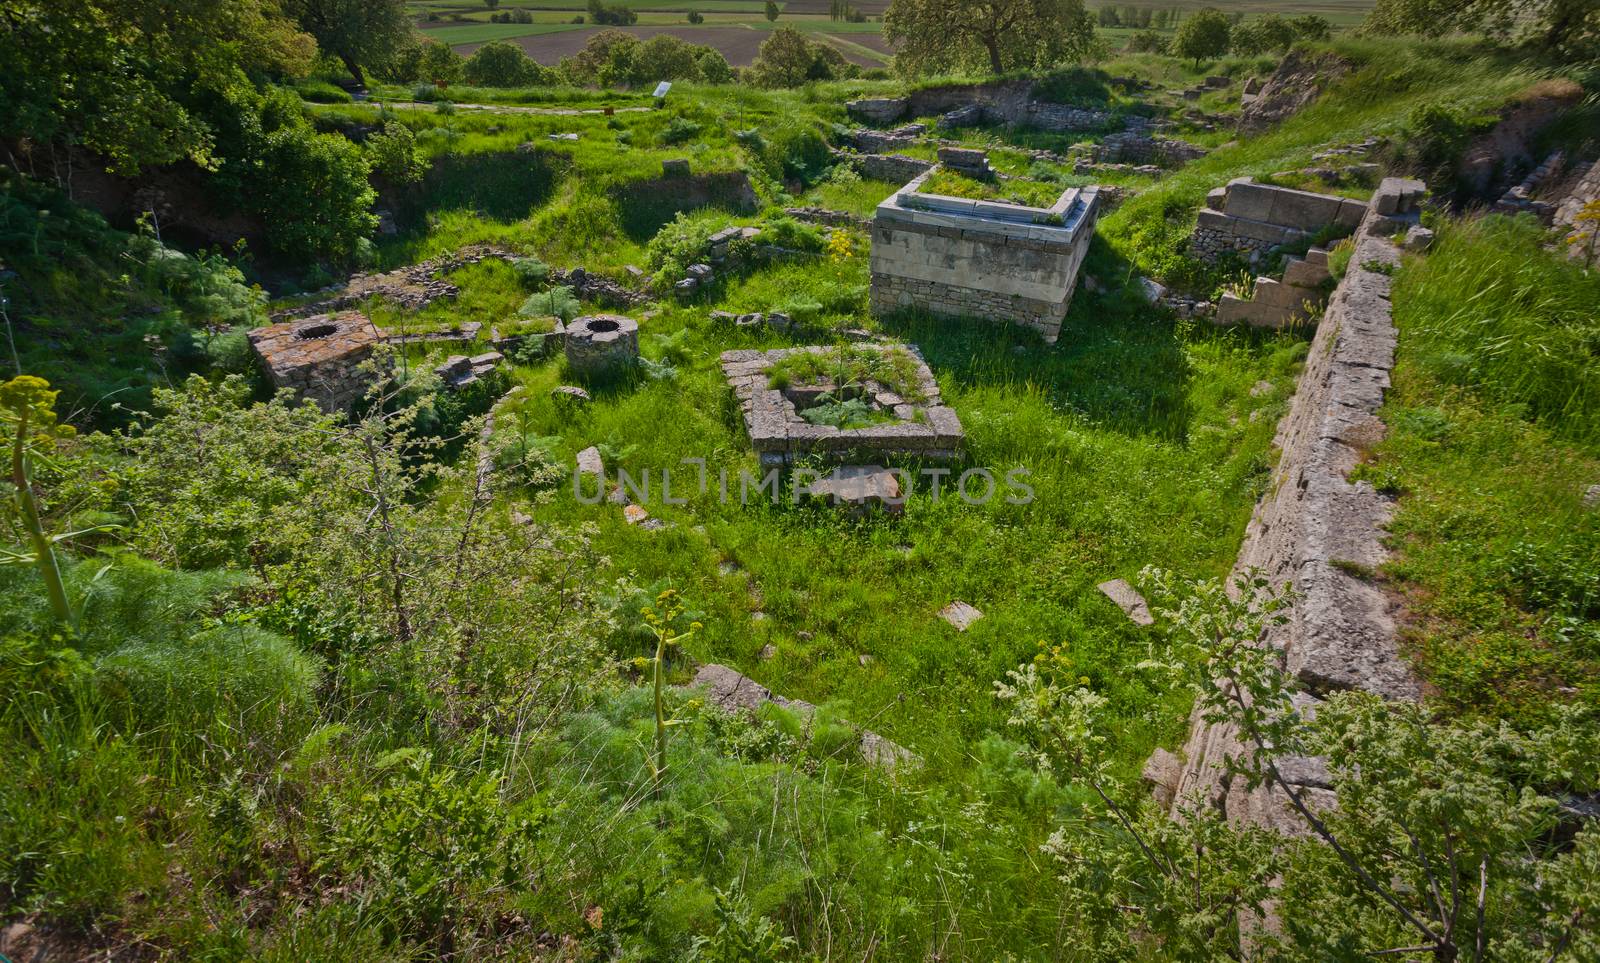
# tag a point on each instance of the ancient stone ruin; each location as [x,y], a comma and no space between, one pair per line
[1253,220]
[319,357]
[459,371]
[960,257]
[919,426]
[1319,530]
[601,344]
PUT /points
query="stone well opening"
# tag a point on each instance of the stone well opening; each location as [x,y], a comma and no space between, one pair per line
[604,325]
[312,332]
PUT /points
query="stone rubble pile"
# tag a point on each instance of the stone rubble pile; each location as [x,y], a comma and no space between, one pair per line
[411,288]
[599,289]
[1139,147]
[827,218]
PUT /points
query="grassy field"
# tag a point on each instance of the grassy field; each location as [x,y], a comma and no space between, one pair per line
[388,815]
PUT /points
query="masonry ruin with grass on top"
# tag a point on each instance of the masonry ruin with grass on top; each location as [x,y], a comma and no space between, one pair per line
[841,403]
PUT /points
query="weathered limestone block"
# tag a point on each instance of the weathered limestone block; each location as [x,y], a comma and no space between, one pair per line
[877,110]
[319,357]
[969,258]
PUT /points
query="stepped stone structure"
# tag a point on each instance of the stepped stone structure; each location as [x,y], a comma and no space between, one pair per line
[1252,220]
[1319,530]
[1280,304]
[968,258]
[319,357]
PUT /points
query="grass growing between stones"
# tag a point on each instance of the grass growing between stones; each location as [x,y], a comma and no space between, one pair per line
[1493,444]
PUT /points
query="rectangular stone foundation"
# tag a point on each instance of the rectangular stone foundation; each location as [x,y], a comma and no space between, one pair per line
[964,258]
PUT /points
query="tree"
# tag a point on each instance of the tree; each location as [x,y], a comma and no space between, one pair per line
[1571,28]
[439,64]
[938,35]
[500,64]
[361,33]
[772,11]
[1267,34]
[786,59]
[695,17]
[1312,27]
[1204,35]
[491,4]
[1108,16]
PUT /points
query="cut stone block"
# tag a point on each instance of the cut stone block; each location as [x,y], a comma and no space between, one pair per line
[960,614]
[1128,599]
[590,463]
[860,486]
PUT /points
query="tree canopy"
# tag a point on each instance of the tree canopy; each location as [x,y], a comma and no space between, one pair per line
[1000,35]
[1205,34]
[361,33]
[131,80]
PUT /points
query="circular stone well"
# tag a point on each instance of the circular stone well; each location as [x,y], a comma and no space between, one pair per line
[601,342]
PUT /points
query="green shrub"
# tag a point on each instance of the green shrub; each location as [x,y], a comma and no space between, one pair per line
[531,272]
[558,302]
[501,64]
[392,154]
[678,130]
[680,243]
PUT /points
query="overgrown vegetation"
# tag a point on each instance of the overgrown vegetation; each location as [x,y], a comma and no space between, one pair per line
[381,684]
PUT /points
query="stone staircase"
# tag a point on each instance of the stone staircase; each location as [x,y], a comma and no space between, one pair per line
[1281,303]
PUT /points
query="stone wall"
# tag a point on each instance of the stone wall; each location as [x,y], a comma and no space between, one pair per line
[1318,529]
[980,259]
[1585,188]
[894,168]
[1253,220]
[1138,147]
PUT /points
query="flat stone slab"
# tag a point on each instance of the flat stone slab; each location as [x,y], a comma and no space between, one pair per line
[860,486]
[960,614]
[1128,599]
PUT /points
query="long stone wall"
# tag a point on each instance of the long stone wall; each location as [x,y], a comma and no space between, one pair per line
[1000,262]
[1319,530]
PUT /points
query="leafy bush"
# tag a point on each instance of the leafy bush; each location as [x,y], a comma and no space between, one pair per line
[428,838]
[312,193]
[789,233]
[438,64]
[678,130]
[619,15]
[501,64]
[531,272]
[680,243]
[392,154]
[713,66]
